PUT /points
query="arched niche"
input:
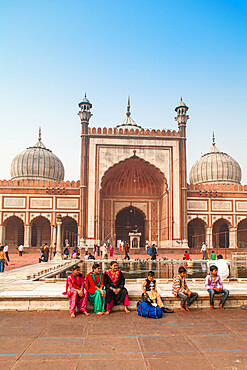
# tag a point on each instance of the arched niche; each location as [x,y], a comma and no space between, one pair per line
[40,231]
[69,231]
[196,233]
[128,220]
[242,233]
[221,233]
[14,231]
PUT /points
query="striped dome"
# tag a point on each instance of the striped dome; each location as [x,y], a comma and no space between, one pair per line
[215,167]
[37,163]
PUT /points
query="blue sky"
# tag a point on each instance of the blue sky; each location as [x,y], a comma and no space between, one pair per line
[155,51]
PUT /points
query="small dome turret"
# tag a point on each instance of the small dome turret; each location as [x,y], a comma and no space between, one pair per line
[37,163]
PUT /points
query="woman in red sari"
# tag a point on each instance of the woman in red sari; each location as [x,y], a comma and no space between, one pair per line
[95,287]
[76,292]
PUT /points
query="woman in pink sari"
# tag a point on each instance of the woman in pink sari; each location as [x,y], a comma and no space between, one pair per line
[76,292]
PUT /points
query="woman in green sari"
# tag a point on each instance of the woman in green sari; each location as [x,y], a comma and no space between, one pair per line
[94,285]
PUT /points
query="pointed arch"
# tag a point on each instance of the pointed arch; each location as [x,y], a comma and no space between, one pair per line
[196,232]
[242,233]
[221,233]
[40,231]
[14,231]
[133,176]
[69,231]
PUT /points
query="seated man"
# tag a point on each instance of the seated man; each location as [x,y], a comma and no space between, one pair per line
[76,292]
[214,286]
[44,257]
[116,293]
[223,267]
[181,290]
[149,287]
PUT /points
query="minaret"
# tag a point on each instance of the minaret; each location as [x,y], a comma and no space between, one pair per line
[182,119]
[85,115]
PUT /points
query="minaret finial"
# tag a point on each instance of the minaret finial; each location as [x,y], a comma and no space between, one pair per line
[128,108]
[85,95]
[181,99]
[39,133]
[213,139]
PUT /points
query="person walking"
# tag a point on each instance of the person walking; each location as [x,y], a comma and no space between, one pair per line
[111,250]
[126,251]
[3,259]
[204,250]
[154,252]
[6,251]
[20,249]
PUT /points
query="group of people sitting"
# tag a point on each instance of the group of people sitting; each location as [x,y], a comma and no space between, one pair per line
[107,289]
[213,284]
[102,289]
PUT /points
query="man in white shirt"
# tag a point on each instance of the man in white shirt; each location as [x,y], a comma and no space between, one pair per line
[6,251]
[223,269]
[21,249]
[203,250]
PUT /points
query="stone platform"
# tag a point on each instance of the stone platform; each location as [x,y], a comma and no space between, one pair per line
[20,290]
[199,339]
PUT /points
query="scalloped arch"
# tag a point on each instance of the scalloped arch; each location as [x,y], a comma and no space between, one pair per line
[133,176]
[198,218]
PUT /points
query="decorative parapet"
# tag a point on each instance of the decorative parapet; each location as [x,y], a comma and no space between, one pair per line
[131,132]
[218,187]
[39,184]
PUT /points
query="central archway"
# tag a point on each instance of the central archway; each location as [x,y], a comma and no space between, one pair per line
[137,183]
[130,219]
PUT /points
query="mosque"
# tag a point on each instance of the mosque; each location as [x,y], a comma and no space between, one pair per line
[133,186]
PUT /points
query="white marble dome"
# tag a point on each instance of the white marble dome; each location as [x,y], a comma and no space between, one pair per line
[37,163]
[215,167]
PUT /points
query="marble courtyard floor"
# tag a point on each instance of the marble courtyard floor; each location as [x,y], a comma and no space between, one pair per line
[199,339]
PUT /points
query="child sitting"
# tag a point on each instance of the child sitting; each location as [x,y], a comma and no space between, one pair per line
[214,286]
[149,287]
[180,289]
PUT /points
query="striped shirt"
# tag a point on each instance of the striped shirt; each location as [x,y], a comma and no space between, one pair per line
[211,283]
[179,285]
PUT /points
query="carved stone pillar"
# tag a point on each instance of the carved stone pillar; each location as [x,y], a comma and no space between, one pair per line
[209,237]
[53,234]
[233,237]
[2,234]
[58,255]
[27,236]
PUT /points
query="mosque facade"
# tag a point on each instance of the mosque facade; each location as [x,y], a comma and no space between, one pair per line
[132,181]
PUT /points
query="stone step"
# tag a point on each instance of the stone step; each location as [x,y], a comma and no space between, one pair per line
[57,303]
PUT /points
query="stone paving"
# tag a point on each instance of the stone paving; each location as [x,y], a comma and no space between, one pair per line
[199,339]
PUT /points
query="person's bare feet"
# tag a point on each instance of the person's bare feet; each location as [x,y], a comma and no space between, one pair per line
[99,313]
[183,309]
[107,313]
[187,308]
[221,307]
[126,309]
[72,316]
[86,313]
[211,307]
